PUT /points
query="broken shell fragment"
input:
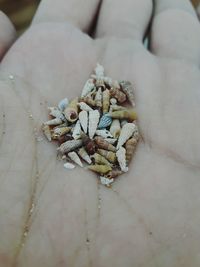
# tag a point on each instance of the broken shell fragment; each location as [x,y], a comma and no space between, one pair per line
[128,90]
[84,155]
[84,106]
[115,128]
[106,181]
[93,122]
[128,114]
[102,169]
[118,94]
[75,158]
[130,148]
[99,159]
[127,131]
[121,158]
[83,118]
[109,155]
[69,166]
[101,143]
[105,121]
[88,87]
[106,100]
[47,131]
[69,146]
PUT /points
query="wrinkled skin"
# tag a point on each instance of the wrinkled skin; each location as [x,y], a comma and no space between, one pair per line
[151,215]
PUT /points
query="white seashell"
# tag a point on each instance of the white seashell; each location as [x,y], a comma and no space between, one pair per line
[74,156]
[104,133]
[123,122]
[105,181]
[126,132]
[83,118]
[98,98]
[63,104]
[111,140]
[77,131]
[55,112]
[94,116]
[99,70]
[84,106]
[69,166]
[69,146]
[55,121]
[115,128]
[88,87]
[84,155]
[113,101]
[121,157]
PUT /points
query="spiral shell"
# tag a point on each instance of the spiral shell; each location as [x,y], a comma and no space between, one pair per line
[88,87]
[102,169]
[109,155]
[128,90]
[99,159]
[128,114]
[52,122]
[127,131]
[75,158]
[93,122]
[115,128]
[118,94]
[105,121]
[106,100]
[77,130]
[47,131]
[69,146]
[101,143]
[130,148]
[84,106]
[89,144]
[121,158]
[63,104]
[104,133]
[60,131]
[55,112]
[71,114]
[114,173]
[98,98]
[84,155]
[83,118]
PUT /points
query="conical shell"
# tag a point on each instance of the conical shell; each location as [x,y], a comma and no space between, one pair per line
[77,130]
[105,121]
[62,139]
[105,181]
[89,144]
[59,131]
[118,94]
[115,128]
[106,100]
[104,133]
[83,117]
[93,122]
[111,141]
[109,155]
[47,131]
[130,148]
[99,159]
[71,114]
[116,108]
[55,112]
[128,114]
[128,90]
[99,70]
[63,104]
[101,143]
[121,158]
[114,173]
[89,100]
[69,146]
[52,122]
[75,158]
[98,98]
[88,87]
[127,131]
[84,106]
[102,169]
[84,155]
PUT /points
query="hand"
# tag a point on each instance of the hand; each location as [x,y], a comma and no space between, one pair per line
[49,216]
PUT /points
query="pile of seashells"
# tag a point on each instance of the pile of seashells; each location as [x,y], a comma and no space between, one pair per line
[96,127]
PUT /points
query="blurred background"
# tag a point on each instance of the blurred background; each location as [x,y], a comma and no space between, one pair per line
[21,11]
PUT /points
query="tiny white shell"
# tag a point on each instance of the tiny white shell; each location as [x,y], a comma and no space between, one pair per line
[63,104]
[88,87]
[121,157]
[83,118]
[74,156]
[69,166]
[77,131]
[104,133]
[55,121]
[84,106]
[94,116]
[105,181]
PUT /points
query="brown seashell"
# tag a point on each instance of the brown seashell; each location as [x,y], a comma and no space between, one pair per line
[114,173]
[101,143]
[69,146]
[89,100]
[89,144]
[127,88]
[64,138]
[106,100]
[128,114]
[109,155]
[71,114]
[100,159]
[100,168]
[130,148]
[118,94]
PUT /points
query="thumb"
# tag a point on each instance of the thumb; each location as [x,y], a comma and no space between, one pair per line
[7,34]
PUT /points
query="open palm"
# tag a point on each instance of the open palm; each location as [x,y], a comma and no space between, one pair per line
[53,217]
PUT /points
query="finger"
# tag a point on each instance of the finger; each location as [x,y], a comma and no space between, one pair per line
[126,19]
[7,34]
[175,30]
[78,12]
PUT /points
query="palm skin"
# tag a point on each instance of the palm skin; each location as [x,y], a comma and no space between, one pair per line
[151,215]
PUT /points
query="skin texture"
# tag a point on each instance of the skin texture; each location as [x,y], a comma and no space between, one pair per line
[151,215]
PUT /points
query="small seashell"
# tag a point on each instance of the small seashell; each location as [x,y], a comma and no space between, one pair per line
[121,157]
[77,130]
[84,106]
[127,131]
[64,138]
[83,117]
[59,131]
[89,144]
[47,131]
[74,104]
[105,181]
[102,169]
[89,100]
[99,159]
[52,122]
[88,87]
[84,155]
[113,174]
[69,166]
[93,122]
[99,70]
[101,143]
[98,98]
[63,104]
[106,100]
[128,114]
[116,108]
[74,157]
[118,94]
[105,121]
[104,133]
[113,101]
[71,114]
[100,83]
[130,148]
[115,128]
[109,155]
[69,146]
[128,90]
[55,112]
[111,141]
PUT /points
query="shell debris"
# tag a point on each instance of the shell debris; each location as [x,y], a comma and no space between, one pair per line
[98,128]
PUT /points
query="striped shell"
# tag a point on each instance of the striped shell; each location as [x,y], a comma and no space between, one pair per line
[105,121]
